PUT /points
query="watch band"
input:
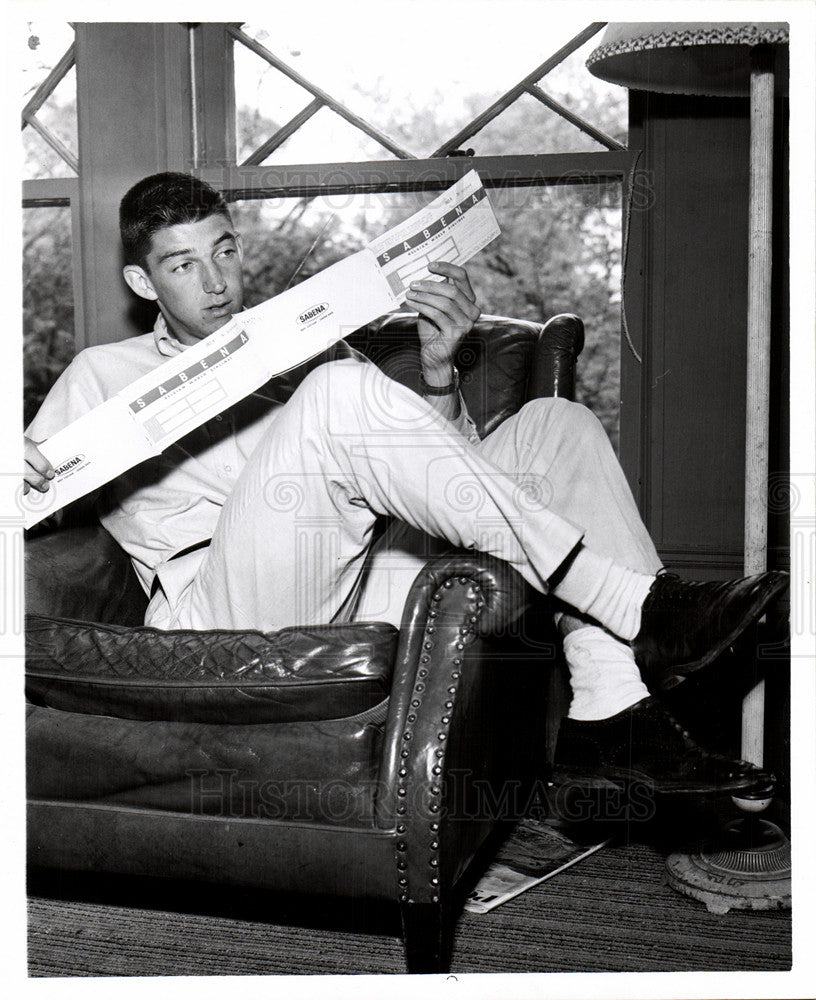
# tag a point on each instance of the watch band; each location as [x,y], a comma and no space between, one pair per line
[440,390]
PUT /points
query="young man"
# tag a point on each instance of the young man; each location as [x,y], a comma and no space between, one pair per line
[265,516]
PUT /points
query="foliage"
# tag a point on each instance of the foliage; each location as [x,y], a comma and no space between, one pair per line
[48,302]
[280,252]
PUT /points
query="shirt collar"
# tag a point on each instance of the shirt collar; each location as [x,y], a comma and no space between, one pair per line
[166,343]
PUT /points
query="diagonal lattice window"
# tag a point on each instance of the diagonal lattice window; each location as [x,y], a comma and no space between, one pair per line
[320,99]
[312,104]
[48,118]
[302,98]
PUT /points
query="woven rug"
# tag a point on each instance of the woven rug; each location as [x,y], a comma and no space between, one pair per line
[610,913]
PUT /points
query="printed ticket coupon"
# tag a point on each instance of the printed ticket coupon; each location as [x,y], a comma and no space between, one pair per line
[256,345]
[453,227]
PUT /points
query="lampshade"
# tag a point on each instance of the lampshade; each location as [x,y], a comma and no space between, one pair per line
[708,58]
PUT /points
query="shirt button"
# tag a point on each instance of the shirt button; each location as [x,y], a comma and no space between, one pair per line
[219,417]
[228,468]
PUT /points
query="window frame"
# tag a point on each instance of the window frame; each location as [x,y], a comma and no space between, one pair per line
[404,173]
[63,192]
[427,174]
[58,192]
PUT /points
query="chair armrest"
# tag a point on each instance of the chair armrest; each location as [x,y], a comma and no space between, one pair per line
[457,601]
[552,372]
[462,718]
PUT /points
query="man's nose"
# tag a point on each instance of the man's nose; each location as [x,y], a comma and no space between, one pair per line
[213,280]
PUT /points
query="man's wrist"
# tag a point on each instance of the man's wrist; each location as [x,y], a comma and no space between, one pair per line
[440,381]
[435,370]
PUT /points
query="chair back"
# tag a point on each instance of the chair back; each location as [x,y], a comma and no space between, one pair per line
[502,362]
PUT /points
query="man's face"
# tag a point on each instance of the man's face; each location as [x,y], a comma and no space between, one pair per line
[194,273]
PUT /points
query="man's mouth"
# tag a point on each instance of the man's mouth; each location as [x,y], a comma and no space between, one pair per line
[220,308]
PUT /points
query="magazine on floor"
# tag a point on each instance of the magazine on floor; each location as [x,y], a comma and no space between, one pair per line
[536,851]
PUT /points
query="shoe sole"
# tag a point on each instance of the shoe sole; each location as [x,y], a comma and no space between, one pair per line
[672,676]
[613,778]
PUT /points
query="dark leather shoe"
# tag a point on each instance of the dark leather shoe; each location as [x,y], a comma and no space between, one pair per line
[685,626]
[644,744]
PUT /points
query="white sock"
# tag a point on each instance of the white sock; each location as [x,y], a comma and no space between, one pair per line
[603,674]
[606,591]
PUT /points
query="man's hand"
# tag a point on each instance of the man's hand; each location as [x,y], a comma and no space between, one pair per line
[447,312]
[38,470]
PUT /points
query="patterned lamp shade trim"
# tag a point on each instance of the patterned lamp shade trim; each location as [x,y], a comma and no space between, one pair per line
[709,58]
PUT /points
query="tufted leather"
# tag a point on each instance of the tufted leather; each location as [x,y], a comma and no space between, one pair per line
[208,676]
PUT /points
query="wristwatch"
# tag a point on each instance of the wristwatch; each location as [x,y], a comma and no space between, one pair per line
[440,390]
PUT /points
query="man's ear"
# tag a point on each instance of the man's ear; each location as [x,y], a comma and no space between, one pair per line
[139,282]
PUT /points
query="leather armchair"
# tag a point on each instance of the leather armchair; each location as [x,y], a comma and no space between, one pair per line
[356,760]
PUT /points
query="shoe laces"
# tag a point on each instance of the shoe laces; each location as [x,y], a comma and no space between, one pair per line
[681,729]
[694,750]
[680,591]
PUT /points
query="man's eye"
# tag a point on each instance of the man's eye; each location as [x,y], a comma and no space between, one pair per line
[227,252]
[184,266]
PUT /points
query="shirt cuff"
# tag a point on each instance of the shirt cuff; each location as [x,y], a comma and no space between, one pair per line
[464,422]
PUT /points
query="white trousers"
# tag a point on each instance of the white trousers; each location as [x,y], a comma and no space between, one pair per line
[296,543]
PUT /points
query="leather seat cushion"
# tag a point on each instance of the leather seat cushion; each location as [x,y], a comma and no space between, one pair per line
[215,676]
[311,772]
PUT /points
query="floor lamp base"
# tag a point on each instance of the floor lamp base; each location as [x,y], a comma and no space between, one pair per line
[750,869]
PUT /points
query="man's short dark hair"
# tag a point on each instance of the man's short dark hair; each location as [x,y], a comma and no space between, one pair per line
[159,201]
